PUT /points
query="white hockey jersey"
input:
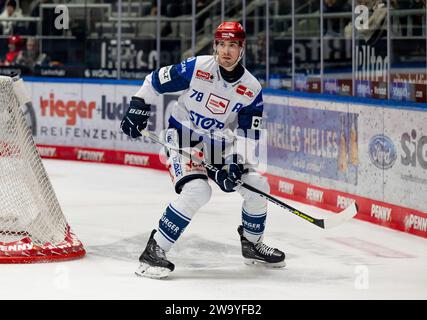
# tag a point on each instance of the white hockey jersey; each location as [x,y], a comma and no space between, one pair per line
[208,105]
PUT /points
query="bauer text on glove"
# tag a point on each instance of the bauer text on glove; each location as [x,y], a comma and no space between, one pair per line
[136,117]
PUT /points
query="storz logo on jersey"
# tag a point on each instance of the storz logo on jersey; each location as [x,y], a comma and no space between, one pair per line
[382,151]
[204,122]
[217,105]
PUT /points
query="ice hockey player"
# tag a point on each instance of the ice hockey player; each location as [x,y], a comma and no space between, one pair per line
[220,99]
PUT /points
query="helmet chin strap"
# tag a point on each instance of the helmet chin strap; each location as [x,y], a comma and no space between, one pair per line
[216,57]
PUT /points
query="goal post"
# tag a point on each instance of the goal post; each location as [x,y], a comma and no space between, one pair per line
[33,227]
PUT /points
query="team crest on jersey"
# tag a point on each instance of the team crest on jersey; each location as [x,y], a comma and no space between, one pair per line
[216,104]
[203,75]
[244,91]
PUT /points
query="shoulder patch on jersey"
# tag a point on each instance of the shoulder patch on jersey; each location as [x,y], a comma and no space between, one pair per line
[165,74]
[245,91]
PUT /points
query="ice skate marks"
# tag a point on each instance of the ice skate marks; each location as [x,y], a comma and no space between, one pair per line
[147,271]
[255,262]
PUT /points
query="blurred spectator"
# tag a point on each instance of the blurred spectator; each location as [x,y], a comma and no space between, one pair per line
[164,10]
[35,7]
[31,56]
[377,22]
[256,51]
[332,26]
[200,23]
[48,19]
[15,47]
[404,5]
[417,20]
[11,11]
[170,9]
[2,5]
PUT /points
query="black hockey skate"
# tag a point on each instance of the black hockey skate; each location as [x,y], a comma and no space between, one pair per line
[260,253]
[154,263]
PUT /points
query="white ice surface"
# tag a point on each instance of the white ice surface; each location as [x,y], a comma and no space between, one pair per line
[112,210]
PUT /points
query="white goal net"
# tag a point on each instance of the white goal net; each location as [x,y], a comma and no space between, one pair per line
[32,225]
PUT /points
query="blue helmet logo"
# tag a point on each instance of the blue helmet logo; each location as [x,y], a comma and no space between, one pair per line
[382,151]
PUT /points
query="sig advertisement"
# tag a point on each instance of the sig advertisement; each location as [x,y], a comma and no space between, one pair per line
[400,153]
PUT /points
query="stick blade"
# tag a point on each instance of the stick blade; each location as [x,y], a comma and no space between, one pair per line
[341,217]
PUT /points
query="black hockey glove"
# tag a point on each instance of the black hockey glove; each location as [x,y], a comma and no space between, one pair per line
[136,118]
[227,176]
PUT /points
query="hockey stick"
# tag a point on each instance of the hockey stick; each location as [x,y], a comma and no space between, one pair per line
[325,223]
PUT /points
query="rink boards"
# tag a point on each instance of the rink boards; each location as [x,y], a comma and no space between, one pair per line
[322,150]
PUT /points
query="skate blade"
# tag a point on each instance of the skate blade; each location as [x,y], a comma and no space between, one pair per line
[252,262]
[147,271]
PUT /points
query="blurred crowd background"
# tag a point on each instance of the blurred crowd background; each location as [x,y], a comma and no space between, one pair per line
[300,45]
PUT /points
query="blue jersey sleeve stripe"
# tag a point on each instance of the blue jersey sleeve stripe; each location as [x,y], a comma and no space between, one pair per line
[180,76]
[176,78]
[258,103]
[175,83]
[186,68]
[155,81]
